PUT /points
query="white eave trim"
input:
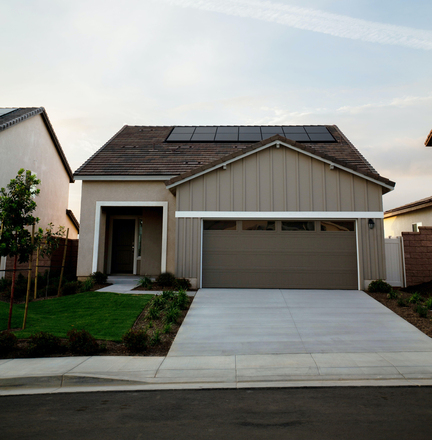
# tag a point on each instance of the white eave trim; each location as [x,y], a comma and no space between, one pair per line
[124,178]
[299,150]
[316,215]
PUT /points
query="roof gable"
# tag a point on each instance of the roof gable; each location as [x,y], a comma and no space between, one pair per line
[278,141]
[19,115]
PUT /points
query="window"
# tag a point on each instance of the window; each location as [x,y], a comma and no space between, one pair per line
[220,225]
[415,226]
[337,226]
[258,225]
[298,226]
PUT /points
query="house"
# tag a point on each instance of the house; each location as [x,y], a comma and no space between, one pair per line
[234,206]
[28,140]
[408,218]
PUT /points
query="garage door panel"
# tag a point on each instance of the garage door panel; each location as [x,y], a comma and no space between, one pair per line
[280,259]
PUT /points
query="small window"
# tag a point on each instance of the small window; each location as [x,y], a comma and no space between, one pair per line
[220,225]
[337,226]
[415,226]
[298,226]
[258,225]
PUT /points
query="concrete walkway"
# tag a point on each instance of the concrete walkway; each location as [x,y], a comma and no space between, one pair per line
[256,338]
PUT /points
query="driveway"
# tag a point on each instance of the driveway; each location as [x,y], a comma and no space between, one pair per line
[276,321]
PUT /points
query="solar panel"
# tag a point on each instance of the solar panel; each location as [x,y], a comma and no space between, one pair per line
[253,134]
[293,130]
[319,129]
[203,137]
[183,130]
[321,137]
[180,137]
[5,111]
[271,130]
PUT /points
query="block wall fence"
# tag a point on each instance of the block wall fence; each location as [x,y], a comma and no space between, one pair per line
[418,255]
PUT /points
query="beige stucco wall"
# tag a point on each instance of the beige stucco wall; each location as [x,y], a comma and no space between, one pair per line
[28,145]
[119,191]
[394,226]
[280,180]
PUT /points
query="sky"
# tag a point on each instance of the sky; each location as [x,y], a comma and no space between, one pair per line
[363,65]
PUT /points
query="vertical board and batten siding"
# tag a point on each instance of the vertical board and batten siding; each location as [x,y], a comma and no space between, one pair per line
[279,179]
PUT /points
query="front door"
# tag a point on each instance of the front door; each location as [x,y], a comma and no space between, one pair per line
[123,240]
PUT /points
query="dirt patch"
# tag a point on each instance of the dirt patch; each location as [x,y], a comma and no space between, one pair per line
[407,313]
[117,348]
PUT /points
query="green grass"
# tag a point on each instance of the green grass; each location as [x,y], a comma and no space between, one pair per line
[105,315]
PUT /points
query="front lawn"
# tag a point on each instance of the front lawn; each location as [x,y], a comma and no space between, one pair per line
[105,315]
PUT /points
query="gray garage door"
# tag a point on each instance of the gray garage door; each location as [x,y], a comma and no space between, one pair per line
[280,254]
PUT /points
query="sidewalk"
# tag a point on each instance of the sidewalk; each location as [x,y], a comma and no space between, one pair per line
[103,373]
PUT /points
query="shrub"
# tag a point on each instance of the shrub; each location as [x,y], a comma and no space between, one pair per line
[153,313]
[182,299]
[422,311]
[8,342]
[71,288]
[99,277]
[402,302]
[155,339]
[167,295]
[87,285]
[172,315]
[158,302]
[393,294]
[44,344]
[4,284]
[145,282]
[167,328]
[415,298]
[166,279]
[182,284]
[428,303]
[135,340]
[82,342]
[379,286]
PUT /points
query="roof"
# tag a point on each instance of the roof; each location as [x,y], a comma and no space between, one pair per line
[15,116]
[142,151]
[428,141]
[409,207]
[73,219]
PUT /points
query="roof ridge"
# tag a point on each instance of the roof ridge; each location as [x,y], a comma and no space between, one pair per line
[35,111]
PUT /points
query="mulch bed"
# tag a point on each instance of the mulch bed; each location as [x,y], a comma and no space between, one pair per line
[408,313]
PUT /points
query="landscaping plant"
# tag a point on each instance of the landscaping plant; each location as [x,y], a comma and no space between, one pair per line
[393,294]
[135,340]
[81,342]
[166,279]
[44,344]
[99,277]
[421,310]
[415,298]
[8,342]
[145,282]
[379,286]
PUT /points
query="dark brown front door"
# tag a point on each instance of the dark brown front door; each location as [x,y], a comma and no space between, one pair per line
[123,246]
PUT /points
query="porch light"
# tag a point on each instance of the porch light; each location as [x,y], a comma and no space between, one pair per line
[371,224]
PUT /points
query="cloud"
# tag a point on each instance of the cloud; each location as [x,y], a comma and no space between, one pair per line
[317,21]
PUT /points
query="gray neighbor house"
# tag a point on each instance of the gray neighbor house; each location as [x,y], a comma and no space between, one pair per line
[234,206]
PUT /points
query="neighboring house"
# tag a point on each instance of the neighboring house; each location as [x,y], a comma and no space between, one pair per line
[27,140]
[234,206]
[428,141]
[408,218]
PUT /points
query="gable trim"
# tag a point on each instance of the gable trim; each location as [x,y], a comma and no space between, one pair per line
[120,177]
[278,143]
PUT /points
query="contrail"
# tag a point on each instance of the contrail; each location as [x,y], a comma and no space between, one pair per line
[316,21]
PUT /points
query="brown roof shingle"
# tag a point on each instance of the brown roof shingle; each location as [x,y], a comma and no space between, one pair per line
[142,151]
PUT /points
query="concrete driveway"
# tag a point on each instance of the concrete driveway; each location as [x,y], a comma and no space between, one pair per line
[273,321]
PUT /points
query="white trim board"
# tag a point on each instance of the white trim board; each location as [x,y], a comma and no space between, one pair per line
[278,144]
[317,215]
[99,205]
[112,177]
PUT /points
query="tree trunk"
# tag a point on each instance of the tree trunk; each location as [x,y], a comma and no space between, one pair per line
[12,292]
